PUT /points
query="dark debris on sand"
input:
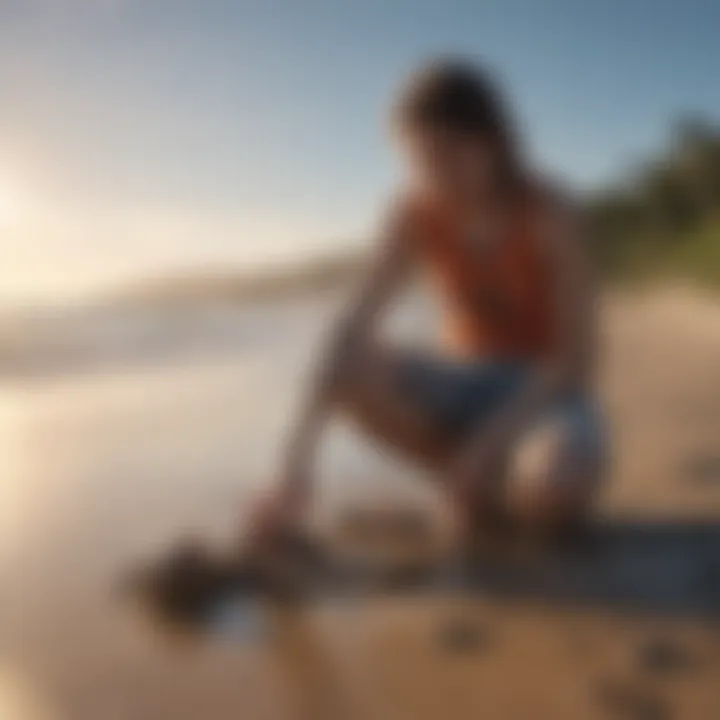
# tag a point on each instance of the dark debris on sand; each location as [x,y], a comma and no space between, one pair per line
[460,637]
[184,588]
[625,700]
[663,656]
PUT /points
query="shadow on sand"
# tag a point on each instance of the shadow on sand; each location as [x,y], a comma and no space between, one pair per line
[665,567]
[651,566]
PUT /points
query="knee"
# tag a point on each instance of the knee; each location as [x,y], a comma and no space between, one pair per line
[555,478]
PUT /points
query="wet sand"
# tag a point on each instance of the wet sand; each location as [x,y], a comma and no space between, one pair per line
[102,470]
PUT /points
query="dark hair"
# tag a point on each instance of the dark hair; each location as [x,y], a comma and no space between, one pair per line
[458,96]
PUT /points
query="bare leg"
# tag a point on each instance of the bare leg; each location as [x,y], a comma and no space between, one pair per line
[370,391]
[556,472]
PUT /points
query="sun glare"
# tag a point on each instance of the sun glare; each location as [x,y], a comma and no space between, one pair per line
[11,203]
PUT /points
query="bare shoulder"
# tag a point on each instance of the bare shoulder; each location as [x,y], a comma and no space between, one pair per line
[398,222]
[555,205]
[559,220]
[392,248]
[401,212]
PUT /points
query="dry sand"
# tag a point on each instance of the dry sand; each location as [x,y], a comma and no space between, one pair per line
[73,519]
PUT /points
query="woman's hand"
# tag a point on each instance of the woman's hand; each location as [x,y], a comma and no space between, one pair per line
[282,513]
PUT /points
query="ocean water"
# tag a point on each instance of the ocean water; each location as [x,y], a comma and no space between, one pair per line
[123,431]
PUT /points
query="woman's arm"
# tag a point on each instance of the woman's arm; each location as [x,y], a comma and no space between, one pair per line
[356,324]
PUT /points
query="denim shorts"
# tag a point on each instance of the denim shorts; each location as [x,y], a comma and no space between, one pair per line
[459,396]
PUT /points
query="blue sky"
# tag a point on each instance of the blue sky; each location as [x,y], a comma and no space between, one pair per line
[139,136]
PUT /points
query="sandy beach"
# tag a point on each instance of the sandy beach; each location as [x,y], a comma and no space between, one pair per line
[104,467]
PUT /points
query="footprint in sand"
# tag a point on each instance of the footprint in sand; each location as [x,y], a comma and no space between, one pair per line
[662,656]
[624,700]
